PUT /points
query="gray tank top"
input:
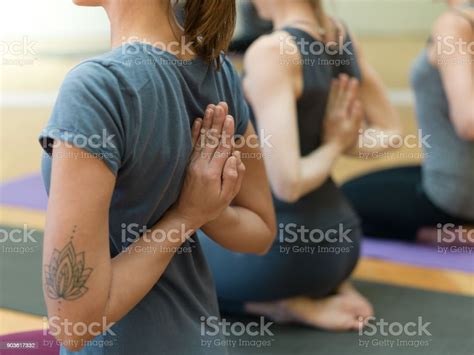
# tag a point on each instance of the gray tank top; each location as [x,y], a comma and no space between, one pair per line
[448,169]
[326,206]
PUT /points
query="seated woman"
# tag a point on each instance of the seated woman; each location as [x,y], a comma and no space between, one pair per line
[308,114]
[128,188]
[434,201]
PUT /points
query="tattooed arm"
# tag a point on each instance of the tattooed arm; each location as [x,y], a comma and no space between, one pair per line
[82,284]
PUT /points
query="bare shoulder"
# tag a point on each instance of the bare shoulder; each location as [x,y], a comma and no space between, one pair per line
[272,51]
[453,23]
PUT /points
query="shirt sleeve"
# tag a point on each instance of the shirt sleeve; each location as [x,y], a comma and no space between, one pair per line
[89,114]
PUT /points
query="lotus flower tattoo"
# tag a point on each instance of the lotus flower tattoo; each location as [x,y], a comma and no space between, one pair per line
[66,275]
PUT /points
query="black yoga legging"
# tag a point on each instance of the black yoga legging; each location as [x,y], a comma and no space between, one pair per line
[392,204]
[306,270]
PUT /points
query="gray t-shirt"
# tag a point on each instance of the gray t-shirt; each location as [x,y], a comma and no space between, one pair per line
[133,107]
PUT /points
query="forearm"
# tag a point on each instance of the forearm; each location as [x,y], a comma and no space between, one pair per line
[240,230]
[316,167]
[148,258]
[117,285]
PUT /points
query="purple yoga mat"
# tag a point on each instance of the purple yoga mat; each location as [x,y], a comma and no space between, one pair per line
[438,257]
[29,192]
[25,192]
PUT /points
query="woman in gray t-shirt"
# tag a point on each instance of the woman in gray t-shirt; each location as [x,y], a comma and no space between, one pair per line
[120,252]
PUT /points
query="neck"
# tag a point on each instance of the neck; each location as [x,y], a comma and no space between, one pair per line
[142,21]
[293,11]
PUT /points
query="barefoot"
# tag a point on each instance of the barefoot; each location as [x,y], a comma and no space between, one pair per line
[363,306]
[275,310]
[335,313]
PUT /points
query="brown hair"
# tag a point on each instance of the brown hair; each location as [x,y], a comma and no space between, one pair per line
[209,25]
[321,14]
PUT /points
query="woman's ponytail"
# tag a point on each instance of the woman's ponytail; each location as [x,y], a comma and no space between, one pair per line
[209,25]
[321,14]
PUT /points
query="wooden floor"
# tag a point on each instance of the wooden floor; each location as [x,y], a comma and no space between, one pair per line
[20,154]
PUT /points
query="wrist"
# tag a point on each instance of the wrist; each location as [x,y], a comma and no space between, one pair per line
[336,146]
[190,222]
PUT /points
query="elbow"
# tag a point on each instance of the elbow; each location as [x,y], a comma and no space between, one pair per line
[75,333]
[265,248]
[263,252]
[269,238]
[287,190]
[465,130]
[72,344]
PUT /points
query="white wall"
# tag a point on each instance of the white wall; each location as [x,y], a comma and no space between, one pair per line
[388,17]
[61,19]
[51,19]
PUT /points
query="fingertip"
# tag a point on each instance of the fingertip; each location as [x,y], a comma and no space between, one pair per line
[208,114]
[343,77]
[197,124]
[232,161]
[230,118]
[354,82]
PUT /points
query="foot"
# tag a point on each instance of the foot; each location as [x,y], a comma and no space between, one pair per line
[344,311]
[361,303]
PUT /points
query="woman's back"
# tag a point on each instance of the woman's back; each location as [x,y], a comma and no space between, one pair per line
[142,101]
[326,206]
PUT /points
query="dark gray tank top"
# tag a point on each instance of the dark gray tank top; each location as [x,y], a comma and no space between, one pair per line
[326,206]
[448,168]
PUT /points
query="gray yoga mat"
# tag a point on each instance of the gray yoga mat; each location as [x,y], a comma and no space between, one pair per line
[451,317]
[20,270]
